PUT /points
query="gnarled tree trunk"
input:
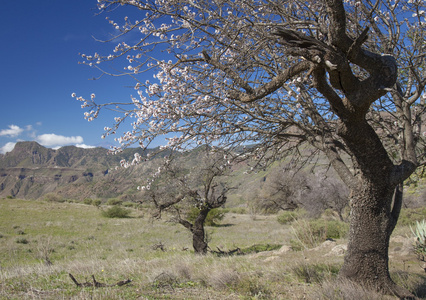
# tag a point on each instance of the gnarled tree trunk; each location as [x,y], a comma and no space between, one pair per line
[199,242]
[198,235]
[371,225]
[375,204]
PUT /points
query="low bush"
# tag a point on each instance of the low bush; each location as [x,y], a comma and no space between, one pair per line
[286,217]
[87,201]
[116,212]
[310,233]
[51,197]
[114,201]
[96,202]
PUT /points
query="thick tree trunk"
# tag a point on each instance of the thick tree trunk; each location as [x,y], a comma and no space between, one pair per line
[372,223]
[197,229]
[198,235]
[375,204]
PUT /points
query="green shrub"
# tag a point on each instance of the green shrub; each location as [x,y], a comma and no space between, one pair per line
[287,217]
[114,201]
[334,229]
[51,197]
[97,202]
[116,212]
[213,218]
[310,233]
[87,201]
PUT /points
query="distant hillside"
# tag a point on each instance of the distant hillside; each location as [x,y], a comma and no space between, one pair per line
[31,170]
[33,155]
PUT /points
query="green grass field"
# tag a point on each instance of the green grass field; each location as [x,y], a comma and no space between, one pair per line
[42,242]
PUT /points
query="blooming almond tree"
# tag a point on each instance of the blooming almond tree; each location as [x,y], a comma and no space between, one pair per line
[345,77]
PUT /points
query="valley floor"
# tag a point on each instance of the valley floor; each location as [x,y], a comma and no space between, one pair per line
[42,242]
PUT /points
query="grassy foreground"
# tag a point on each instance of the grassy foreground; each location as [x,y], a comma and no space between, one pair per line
[42,242]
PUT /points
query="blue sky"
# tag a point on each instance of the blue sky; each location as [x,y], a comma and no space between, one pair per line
[39,70]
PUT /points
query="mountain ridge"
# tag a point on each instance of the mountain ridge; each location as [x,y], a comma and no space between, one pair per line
[31,170]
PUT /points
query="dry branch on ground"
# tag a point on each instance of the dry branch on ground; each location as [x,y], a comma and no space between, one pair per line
[97,284]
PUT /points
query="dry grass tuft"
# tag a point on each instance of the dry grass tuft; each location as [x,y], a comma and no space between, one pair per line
[344,290]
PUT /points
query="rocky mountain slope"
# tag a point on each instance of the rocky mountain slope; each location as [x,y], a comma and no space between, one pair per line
[31,170]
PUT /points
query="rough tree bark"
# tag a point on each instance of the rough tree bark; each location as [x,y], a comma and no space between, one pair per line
[199,242]
[375,205]
[198,234]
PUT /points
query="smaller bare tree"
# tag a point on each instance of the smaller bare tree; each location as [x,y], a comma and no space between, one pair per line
[282,190]
[179,189]
[325,192]
[287,189]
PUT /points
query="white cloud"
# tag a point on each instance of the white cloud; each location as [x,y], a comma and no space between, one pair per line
[84,146]
[51,139]
[13,131]
[7,148]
